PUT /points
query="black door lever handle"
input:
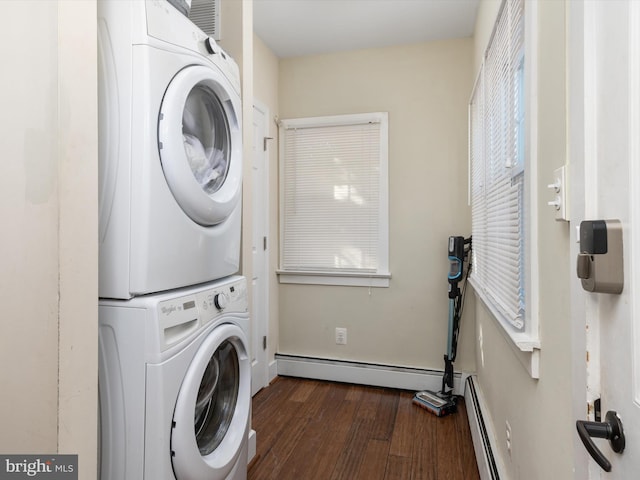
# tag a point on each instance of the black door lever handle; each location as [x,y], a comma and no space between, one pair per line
[611,429]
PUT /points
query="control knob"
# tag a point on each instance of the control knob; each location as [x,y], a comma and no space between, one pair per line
[221,301]
[210,45]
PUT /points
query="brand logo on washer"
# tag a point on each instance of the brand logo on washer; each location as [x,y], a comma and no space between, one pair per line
[168,310]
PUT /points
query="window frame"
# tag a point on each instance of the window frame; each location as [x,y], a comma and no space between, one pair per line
[379,278]
[525,343]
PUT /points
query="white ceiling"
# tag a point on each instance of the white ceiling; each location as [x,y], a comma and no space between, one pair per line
[307,27]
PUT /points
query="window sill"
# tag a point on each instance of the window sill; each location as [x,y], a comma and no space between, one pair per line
[525,346]
[342,279]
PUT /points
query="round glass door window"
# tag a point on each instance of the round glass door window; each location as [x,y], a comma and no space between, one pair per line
[200,144]
[205,131]
[211,415]
[217,398]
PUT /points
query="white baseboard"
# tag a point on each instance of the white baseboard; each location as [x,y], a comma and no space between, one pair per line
[251,448]
[273,370]
[490,466]
[404,378]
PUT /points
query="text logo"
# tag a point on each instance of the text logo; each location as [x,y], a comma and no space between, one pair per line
[50,467]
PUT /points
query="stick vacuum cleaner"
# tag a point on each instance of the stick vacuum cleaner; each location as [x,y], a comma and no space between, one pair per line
[444,402]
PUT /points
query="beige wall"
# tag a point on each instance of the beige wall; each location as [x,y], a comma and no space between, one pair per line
[485,20]
[425,88]
[265,90]
[259,72]
[48,205]
[539,411]
[237,39]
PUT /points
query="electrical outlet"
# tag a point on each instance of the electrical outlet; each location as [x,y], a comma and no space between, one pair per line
[508,436]
[341,336]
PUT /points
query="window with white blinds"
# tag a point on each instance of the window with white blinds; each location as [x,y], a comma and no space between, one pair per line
[334,200]
[497,164]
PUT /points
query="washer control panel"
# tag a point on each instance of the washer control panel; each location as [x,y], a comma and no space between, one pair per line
[179,317]
[229,298]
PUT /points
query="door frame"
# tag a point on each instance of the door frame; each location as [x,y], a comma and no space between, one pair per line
[579,45]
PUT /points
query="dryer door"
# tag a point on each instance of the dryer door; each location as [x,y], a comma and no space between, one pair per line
[200,143]
[211,416]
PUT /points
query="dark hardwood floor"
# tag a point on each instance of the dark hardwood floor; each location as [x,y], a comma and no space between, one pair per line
[308,429]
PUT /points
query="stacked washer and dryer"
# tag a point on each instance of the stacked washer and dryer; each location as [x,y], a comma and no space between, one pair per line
[174,374]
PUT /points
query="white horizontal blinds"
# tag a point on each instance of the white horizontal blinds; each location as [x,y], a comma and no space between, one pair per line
[516,19]
[516,14]
[331,193]
[500,226]
[478,154]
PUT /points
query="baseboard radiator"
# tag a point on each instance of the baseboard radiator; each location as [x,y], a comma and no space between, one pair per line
[481,431]
[405,378]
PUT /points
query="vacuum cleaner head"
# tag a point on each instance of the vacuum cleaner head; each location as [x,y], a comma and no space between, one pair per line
[436,403]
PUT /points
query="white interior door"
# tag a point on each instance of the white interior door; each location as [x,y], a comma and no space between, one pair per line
[260,282]
[604,78]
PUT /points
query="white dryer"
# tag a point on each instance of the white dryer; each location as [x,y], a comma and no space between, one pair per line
[174,384]
[170,151]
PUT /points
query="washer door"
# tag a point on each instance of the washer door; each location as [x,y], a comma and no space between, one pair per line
[200,144]
[212,409]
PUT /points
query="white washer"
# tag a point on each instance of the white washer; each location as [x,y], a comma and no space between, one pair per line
[174,383]
[170,151]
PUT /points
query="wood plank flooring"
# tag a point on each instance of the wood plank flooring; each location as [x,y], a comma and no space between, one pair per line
[316,430]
